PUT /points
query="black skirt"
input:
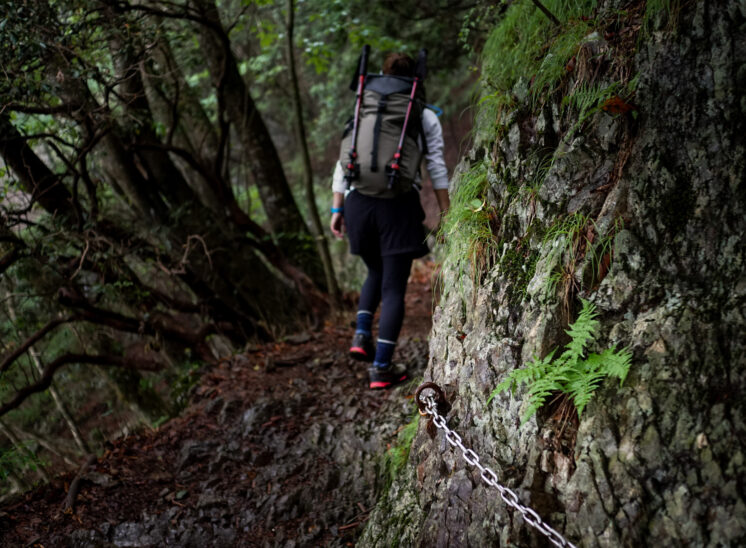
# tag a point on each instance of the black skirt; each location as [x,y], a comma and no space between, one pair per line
[385,226]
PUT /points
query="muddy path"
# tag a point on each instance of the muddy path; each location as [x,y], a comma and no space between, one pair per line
[280,446]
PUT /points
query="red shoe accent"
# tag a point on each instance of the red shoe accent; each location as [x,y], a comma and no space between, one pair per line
[358,350]
[381,384]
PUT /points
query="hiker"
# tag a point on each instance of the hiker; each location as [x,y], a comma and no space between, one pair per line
[376,200]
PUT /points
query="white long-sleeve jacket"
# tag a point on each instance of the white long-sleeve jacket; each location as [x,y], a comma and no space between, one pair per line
[436,164]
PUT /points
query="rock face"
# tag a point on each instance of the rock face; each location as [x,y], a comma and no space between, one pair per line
[660,460]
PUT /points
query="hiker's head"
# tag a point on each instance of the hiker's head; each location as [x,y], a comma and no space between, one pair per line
[398,64]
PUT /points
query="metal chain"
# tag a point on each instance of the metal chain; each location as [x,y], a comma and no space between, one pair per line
[490,478]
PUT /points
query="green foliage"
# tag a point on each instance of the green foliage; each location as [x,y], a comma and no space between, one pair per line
[396,456]
[601,249]
[660,14]
[182,386]
[467,228]
[562,244]
[526,44]
[573,373]
[476,24]
[519,266]
[587,100]
[568,242]
[18,459]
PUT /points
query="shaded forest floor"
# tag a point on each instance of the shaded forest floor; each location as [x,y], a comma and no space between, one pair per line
[281,446]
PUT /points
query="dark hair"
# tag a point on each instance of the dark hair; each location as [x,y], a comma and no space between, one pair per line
[398,64]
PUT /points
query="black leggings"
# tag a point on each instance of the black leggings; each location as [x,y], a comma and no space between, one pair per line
[386,283]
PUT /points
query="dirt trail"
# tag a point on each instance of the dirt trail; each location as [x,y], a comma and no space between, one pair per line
[281,446]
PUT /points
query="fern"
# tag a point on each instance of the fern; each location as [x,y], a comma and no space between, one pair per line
[581,333]
[616,364]
[535,370]
[588,100]
[572,373]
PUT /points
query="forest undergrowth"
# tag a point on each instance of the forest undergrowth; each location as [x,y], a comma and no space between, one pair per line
[202,472]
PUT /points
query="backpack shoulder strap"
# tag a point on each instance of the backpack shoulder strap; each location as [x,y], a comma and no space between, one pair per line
[421,128]
[382,103]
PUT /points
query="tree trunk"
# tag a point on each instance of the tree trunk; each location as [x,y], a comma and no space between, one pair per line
[283,215]
[221,268]
[138,124]
[175,106]
[34,176]
[658,461]
[218,263]
[284,306]
[300,131]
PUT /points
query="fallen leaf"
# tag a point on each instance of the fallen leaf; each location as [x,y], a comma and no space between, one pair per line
[617,105]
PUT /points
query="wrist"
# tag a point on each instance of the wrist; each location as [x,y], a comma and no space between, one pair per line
[337,209]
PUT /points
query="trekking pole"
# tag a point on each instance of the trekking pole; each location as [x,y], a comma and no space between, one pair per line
[419,74]
[353,168]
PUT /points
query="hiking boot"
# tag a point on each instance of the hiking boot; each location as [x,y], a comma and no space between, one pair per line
[362,348]
[385,377]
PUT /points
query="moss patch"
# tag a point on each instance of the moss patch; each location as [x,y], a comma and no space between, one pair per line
[468,228]
[396,456]
[518,266]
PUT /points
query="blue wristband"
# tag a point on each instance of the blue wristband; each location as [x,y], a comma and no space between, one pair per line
[337,209]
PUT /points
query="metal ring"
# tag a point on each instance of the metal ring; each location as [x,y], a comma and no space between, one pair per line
[422,405]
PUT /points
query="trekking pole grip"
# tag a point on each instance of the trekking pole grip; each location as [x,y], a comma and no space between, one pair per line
[420,69]
[363,67]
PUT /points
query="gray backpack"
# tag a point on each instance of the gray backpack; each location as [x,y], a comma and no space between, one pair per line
[379,147]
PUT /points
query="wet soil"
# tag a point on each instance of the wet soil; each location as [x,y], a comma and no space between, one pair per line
[281,446]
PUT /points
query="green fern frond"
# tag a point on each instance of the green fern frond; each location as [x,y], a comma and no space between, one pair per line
[532,409]
[533,371]
[593,363]
[616,363]
[538,394]
[507,384]
[539,391]
[572,373]
[543,388]
[581,399]
[582,332]
[581,388]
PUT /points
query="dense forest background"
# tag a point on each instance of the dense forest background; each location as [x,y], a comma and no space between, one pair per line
[165,182]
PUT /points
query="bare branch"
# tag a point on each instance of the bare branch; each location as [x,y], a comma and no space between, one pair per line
[13,356]
[180,11]
[546,12]
[37,109]
[157,323]
[7,260]
[72,492]
[45,380]
[82,258]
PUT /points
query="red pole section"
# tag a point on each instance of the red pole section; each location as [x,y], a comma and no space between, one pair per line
[395,165]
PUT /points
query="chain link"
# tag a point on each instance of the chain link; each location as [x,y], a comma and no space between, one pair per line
[491,478]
